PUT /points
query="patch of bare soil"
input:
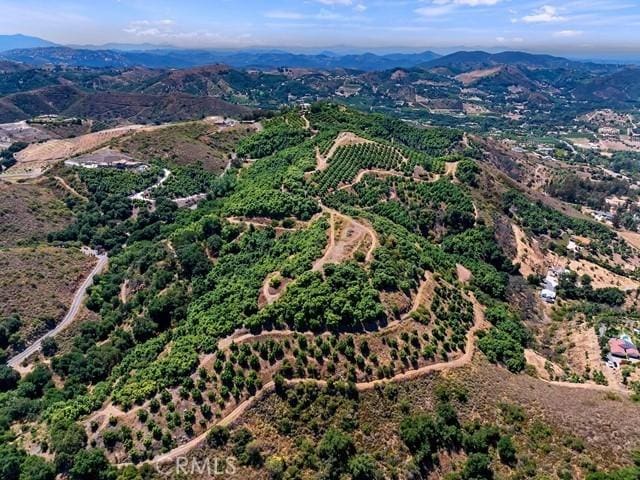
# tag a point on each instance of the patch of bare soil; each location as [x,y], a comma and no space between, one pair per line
[464,274]
[269,293]
[632,238]
[346,236]
[533,261]
[474,109]
[471,77]
[602,278]
[450,169]
[544,369]
[528,254]
[38,157]
[345,139]
[583,352]
[187,144]
[321,161]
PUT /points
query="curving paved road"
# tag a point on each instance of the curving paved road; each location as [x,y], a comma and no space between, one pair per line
[68,318]
[143,195]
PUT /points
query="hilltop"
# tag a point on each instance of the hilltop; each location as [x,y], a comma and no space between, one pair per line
[19,41]
[346,276]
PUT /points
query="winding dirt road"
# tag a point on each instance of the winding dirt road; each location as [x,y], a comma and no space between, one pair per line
[69,188]
[269,387]
[371,171]
[479,324]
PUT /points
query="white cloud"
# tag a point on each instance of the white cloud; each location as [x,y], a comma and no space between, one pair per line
[434,11]
[150,27]
[469,3]
[284,15]
[509,40]
[336,2]
[361,7]
[444,7]
[544,14]
[568,33]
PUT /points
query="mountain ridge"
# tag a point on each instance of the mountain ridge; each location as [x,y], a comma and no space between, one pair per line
[170,58]
[18,40]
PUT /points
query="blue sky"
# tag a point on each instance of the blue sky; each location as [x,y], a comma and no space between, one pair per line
[589,26]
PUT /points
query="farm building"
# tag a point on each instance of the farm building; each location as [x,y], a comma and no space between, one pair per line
[106,158]
[548,295]
[623,348]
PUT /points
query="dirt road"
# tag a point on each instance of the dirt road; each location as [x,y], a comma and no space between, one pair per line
[68,318]
[269,387]
[371,171]
[479,324]
[337,249]
[266,289]
[69,188]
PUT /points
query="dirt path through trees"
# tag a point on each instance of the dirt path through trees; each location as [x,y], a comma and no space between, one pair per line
[479,324]
[70,189]
[269,387]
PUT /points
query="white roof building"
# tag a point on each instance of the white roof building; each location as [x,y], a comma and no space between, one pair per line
[551,282]
[548,295]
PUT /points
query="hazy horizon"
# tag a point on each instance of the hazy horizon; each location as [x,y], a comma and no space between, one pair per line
[577,28]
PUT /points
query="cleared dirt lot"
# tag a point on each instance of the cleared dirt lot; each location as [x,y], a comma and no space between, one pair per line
[21,132]
[38,157]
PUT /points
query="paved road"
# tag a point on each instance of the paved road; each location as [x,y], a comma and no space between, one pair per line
[68,318]
[144,195]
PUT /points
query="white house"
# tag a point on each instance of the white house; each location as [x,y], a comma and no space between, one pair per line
[548,296]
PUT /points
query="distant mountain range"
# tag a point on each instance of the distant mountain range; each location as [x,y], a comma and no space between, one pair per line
[12,42]
[160,85]
[170,58]
[464,61]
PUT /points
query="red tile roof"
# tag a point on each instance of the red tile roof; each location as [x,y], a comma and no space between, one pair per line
[633,353]
[621,348]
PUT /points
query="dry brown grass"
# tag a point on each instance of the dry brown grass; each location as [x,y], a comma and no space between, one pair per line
[38,284]
[28,212]
[471,77]
[186,144]
[37,157]
[562,429]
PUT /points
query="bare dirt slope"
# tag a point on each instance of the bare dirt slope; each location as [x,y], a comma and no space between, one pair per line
[37,157]
[346,235]
[186,144]
[28,212]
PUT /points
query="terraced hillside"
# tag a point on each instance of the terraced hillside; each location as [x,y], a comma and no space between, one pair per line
[350,264]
